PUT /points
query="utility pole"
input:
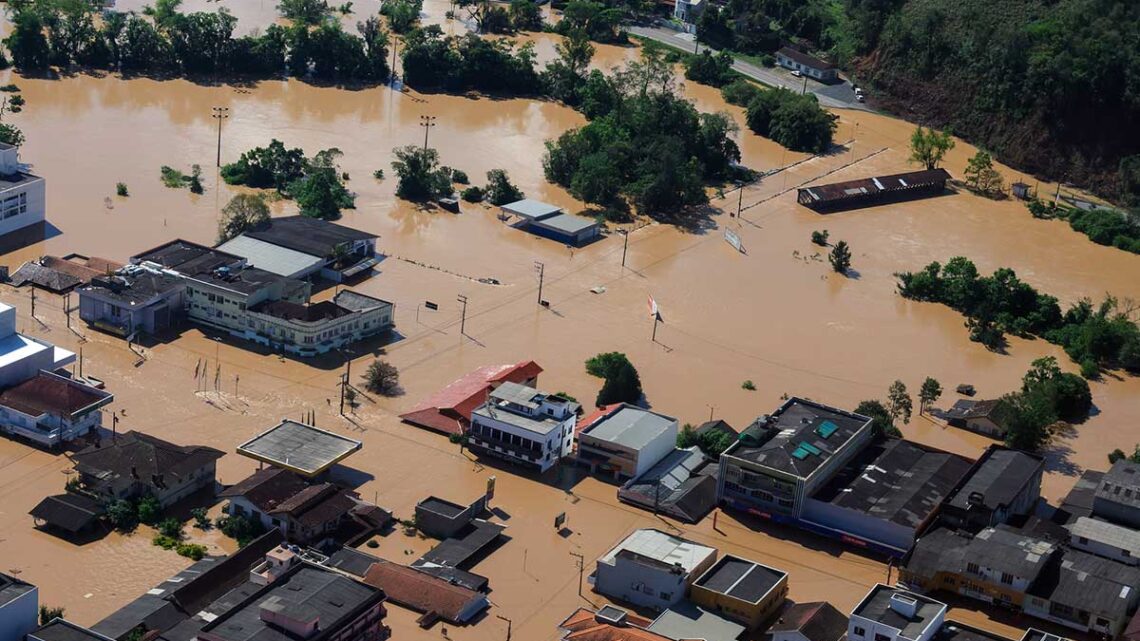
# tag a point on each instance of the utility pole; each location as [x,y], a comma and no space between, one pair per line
[740,200]
[427,122]
[220,114]
[508,625]
[656,319]
[462,319]
[33,302]
[804,90]
[541,272]
[114,427]
[343,383]
[624,247]
[711,409]
[580,561]
[392,71]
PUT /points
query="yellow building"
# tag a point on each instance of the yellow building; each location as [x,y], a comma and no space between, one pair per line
[741,590]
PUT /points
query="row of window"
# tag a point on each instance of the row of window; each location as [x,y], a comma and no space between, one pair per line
[862,633]
[14,205]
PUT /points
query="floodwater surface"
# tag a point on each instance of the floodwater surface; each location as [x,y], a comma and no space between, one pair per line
[775,315]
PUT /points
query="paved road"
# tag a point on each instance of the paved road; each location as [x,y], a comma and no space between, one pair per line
[840,96]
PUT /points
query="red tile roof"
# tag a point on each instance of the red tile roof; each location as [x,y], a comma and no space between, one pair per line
[449,409]
[268,488]
[419,591]
[584,626]
[50,394]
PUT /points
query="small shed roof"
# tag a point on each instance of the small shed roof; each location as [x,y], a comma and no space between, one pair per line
[300,448]
[71,512]
[532,209]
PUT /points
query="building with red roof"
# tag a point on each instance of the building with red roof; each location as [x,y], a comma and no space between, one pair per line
[448,411]
[435,597]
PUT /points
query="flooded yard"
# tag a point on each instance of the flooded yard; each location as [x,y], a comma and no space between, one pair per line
[776,315]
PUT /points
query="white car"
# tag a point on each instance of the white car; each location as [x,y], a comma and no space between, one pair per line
[796,73]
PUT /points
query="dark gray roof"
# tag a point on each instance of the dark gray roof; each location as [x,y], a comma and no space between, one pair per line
[61,630]
[688,621]
[12,588]
[967,409]
[42,276]
[805,59]
[247,280]
[352,561]
[153,609]
[356,301]
[1086,582]
[441,506]
[1001,549]
[133,286]
[307,235]
[466,545]
[145,457]
[335,599]
[71,512]
[682,485]
[740,578]
[895,480]
[999,476]
[717,426]
[876,606]
[1121,484]
[1079,501]
[188,258]
[793,441]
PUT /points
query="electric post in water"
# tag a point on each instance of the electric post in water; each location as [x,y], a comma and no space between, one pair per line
[220,114]
[427,122]
[463,318]
[541,269]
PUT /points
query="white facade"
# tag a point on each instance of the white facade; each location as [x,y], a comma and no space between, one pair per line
[22,200]
[22,357]
[1111,541]
[688,10]
[628,440]
[651,568]
[51,429]
[525,426]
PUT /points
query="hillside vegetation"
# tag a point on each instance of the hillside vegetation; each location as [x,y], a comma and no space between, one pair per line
[1052,87]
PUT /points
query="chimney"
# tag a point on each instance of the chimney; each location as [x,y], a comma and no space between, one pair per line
[976,499]
[904,604]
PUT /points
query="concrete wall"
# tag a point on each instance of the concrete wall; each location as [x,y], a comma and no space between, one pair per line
[640,584]
[442,526]
[1103,549]
[20,616]
[858,524]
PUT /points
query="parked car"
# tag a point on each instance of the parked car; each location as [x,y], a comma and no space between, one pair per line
[796,73]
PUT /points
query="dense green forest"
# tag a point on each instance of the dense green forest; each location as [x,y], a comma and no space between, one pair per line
[1052,87]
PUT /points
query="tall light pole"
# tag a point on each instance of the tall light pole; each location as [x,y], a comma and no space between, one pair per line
[220,114]
[427,122]
[625,246]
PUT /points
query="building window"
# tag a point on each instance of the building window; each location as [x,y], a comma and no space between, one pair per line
[1083,540]
[1007,578]
[860,632]
[973,568]
[1125,553]
[881,637]
[665,596]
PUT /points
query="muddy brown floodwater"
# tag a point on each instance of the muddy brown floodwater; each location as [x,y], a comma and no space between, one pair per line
[775,315]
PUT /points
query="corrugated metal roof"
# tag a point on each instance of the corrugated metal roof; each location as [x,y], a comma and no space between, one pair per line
[272,258]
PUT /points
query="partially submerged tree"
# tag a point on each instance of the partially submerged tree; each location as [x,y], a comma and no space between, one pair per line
[420,176]
[243,212]
[928,147]
[11,135]
[881,422]
[899,403]
[981,175]
[382,377]
[840,257]
[500,190]
[930,392]
[622,382]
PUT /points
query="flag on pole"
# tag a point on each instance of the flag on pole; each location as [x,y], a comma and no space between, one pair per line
[653,311]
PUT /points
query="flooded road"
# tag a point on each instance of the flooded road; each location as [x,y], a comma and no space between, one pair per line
[776,315]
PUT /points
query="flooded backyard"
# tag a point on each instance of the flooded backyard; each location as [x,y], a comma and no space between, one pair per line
[776,315]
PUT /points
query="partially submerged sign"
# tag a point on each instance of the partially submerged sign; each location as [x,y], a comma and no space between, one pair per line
[733,238]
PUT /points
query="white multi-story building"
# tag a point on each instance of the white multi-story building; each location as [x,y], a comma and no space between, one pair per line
[22,201]
[524,426]
[891,614]
[22,357]
[626,440]
[52,410]
[651,568]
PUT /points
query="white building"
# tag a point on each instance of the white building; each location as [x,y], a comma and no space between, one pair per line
[19,607]
[1106,539]
[22,357]
[22,201]
[524,426]
[651,568]
[892,614]
[688,11]
[626,440]
[51,410]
